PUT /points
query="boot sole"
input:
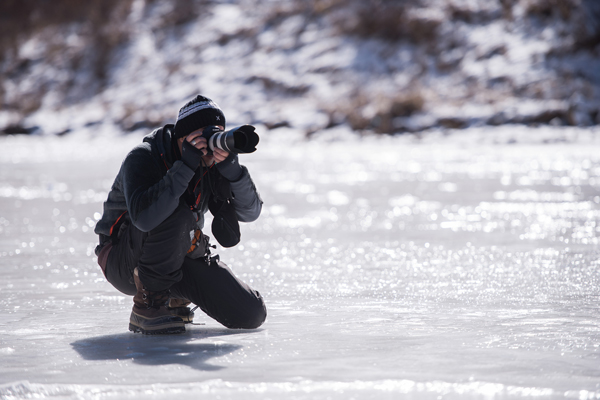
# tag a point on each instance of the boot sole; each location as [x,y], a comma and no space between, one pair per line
[163,330]
[164,325]
[187,318]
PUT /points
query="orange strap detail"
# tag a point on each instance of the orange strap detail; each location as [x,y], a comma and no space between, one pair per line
[115,224]
[197,236]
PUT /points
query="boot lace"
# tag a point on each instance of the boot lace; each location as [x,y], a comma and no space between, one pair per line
[155,299]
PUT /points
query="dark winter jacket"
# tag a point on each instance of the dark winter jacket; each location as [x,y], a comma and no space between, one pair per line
[153,182]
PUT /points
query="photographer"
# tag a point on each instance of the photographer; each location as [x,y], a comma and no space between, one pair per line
[151,240]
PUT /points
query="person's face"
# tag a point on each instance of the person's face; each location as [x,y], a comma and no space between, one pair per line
[200,143]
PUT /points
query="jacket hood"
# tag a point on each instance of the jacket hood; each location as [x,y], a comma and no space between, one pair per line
[161,139]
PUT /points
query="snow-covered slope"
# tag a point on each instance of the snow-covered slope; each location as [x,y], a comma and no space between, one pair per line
[383,66]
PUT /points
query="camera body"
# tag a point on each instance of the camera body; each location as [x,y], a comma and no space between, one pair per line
[242,139]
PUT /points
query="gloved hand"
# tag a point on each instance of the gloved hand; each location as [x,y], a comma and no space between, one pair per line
[190,155]
[230,168]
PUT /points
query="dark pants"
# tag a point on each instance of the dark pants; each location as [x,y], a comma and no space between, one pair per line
[160,256]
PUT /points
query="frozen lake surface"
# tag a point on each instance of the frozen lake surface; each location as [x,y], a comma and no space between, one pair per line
[450,267]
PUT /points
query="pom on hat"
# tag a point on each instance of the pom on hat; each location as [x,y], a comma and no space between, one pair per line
[196,114]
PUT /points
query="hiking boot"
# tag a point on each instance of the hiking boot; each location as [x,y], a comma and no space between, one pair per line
[179,308]
[150,315]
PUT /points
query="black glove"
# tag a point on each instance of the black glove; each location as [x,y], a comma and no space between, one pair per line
[191,156]
[230,168]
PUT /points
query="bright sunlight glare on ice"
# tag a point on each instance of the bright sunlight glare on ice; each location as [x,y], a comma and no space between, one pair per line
[460,265]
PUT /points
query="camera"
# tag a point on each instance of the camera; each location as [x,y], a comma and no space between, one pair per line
[242,139]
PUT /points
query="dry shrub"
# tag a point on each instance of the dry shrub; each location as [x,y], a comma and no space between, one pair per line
[102,20]
[390,20]
[378,19]
[79,67]
[364,112]
[580,17]
[98,26]
[281,88]
[281,10]
[136,117]
[277,12]
[477,13]
[587,33]
[176,13]
[403,105]
[168,18]
[551,8]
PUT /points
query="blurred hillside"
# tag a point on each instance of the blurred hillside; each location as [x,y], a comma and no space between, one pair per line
[374,65]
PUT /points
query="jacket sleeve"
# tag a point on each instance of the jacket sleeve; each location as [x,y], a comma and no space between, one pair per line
[150,196]
[246,200]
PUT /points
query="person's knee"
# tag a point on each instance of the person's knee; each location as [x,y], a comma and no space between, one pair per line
[215,289]
[258,315]
[255,314]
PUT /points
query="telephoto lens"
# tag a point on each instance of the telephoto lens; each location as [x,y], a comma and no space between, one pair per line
[242,139]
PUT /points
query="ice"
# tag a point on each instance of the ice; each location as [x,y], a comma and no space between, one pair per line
[455,265]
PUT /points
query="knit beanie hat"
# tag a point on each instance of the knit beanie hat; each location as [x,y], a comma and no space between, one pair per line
[196,114]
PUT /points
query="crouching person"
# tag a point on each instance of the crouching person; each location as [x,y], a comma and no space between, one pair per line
[151,241]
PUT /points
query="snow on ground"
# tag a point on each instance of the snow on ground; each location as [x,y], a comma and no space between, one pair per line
[462,264]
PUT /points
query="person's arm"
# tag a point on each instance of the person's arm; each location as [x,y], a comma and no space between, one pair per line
[150,197]
[246,200]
